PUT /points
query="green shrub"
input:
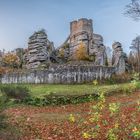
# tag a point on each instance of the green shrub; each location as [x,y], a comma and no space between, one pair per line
[18,92]
[59,99]
[3,101]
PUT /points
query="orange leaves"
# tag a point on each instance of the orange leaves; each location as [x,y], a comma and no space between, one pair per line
[11,60]
[2,70]
[52,123]
[62,52]
[81,52]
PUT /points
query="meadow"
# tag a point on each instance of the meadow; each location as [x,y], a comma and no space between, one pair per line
[114,115]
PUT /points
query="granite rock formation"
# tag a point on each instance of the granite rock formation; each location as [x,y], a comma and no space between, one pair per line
[39,50]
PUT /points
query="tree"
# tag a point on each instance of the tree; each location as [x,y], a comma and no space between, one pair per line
[10,60]
[132,10]
[81,52]
[109,55]
[135,47]
[2,70]
[62,53]
[20,52]
[132,60]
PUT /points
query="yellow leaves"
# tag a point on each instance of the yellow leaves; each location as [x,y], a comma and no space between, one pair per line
[81,52]
[138,105]
[61,52]
[86,135]
[10,59]
[95,117]
[114,108]
[136,133]
[95,82]
[2,70]
[116,126]
[134,129]
[71,118]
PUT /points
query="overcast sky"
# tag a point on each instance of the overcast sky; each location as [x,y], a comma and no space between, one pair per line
[20,18]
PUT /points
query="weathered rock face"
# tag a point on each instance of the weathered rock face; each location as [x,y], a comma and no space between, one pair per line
[119,58]
[39,50]
[64,74]
[81,31]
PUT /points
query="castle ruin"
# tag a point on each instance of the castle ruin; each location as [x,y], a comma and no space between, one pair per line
[81,31]
[41,52]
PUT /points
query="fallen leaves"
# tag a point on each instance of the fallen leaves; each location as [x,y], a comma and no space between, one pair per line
[52,123]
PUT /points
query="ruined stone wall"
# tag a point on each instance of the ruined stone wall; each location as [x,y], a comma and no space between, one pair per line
[62,74]
[81,25]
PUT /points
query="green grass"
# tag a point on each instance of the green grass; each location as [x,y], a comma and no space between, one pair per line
[41,90]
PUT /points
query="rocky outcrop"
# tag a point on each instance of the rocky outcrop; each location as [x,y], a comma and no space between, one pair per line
[81,31]
[119,58]
[39,50]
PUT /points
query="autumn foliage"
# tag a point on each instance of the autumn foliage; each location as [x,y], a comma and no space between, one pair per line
[72,122]
[61,52]
[11,60]
[2,70]
[81,52]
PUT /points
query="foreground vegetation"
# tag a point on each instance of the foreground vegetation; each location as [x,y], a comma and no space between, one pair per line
[97,112]
[42,95]
[113,118]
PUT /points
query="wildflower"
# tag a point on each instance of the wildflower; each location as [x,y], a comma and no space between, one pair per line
[111,135]
[116,125]
[134,129]
[71,118]
[95,82]
[95,117]
[94,135]
[136,132]
[114,108]
[86,135]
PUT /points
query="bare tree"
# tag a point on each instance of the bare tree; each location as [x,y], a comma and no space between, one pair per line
[135,47]
[132,60]
[133,10]
[109,55]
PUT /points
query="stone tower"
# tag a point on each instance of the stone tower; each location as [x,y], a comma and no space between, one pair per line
[80,31]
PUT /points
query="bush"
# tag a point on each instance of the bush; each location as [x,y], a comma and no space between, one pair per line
[59,99]
[18,92]
[117,79]
[3,101]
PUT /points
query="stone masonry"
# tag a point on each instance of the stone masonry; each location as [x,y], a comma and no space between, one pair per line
[41,52]
[60,74]
[82,31]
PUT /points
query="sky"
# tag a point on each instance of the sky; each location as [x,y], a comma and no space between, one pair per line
[20,18]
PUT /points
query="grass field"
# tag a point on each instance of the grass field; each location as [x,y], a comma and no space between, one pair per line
[41,90]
